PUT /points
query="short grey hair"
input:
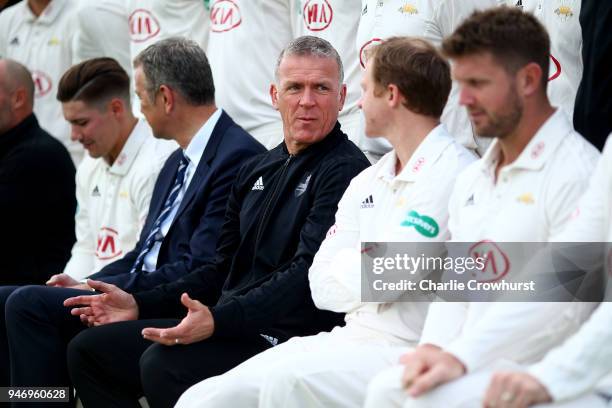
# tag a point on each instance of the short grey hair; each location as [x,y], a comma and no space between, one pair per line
[180,64]
[309,45]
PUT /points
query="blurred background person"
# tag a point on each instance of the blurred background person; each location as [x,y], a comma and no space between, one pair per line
[37,202]
[40,34]
[335,21]
[246,37]
[431,20]
[102,31]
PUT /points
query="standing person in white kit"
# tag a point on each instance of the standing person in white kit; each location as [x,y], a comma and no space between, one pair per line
[150,21]
[246,36]
[336,21]
[524,189]
[431,20]
[381,204]
[40,34]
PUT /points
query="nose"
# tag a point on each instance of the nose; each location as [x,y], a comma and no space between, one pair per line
[307,98]
[465,96]
[75,134]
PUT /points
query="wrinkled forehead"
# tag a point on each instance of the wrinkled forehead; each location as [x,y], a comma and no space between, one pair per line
[307,68]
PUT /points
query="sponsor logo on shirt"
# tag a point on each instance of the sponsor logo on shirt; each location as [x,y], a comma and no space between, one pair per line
[224,16]
[95,192]
[318,15]
[143,25]
[42,83]
[259,185]
[54,41]
[564,12]
[332,231]
[365,10]
[301,188]
[526,198]
[496,262]
[368,202]
[424,224]
[14,41]
[107,248]
[408,9]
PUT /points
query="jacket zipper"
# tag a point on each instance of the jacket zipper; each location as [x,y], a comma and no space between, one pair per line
[264,217]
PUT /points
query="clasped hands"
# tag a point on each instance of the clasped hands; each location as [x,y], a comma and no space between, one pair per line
[114,305]
[429,366]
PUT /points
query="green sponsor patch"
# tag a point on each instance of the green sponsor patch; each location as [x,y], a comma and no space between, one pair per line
[425,225]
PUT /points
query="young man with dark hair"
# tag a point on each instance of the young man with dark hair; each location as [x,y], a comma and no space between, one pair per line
[185,215]
[255,295]
[524,189]
[405,88]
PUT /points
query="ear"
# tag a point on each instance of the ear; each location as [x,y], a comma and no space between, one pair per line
[394,97]
[529,79]
[274,96]
[342,96]
[117,107]
[168,98]
[19,98]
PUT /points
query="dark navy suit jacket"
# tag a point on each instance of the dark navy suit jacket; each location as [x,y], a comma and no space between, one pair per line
[192,238]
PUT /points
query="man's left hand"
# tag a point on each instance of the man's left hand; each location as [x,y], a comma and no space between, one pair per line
[427,367]
[198,325]
[515,390]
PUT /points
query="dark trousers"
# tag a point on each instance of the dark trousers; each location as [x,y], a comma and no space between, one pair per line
[113,365]
[5,368]
[38,328]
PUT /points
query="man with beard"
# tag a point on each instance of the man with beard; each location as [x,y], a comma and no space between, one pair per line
[524,189]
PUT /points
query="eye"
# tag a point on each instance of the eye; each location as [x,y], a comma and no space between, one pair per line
[322,87]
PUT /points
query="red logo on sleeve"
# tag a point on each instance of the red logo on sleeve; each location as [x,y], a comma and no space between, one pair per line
[318,15]
[143,25]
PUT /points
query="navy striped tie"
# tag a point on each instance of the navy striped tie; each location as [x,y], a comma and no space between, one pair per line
[155,235]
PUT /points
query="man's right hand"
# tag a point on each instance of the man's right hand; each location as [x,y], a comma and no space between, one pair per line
[113,305]
[62,280]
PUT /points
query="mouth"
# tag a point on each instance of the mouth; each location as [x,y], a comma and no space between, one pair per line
[87,145]
[306,119]
[475,115]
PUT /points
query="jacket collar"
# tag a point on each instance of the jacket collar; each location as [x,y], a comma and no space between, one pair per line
[334,137]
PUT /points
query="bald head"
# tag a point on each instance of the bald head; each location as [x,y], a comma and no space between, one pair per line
[16,94]
[17,76]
